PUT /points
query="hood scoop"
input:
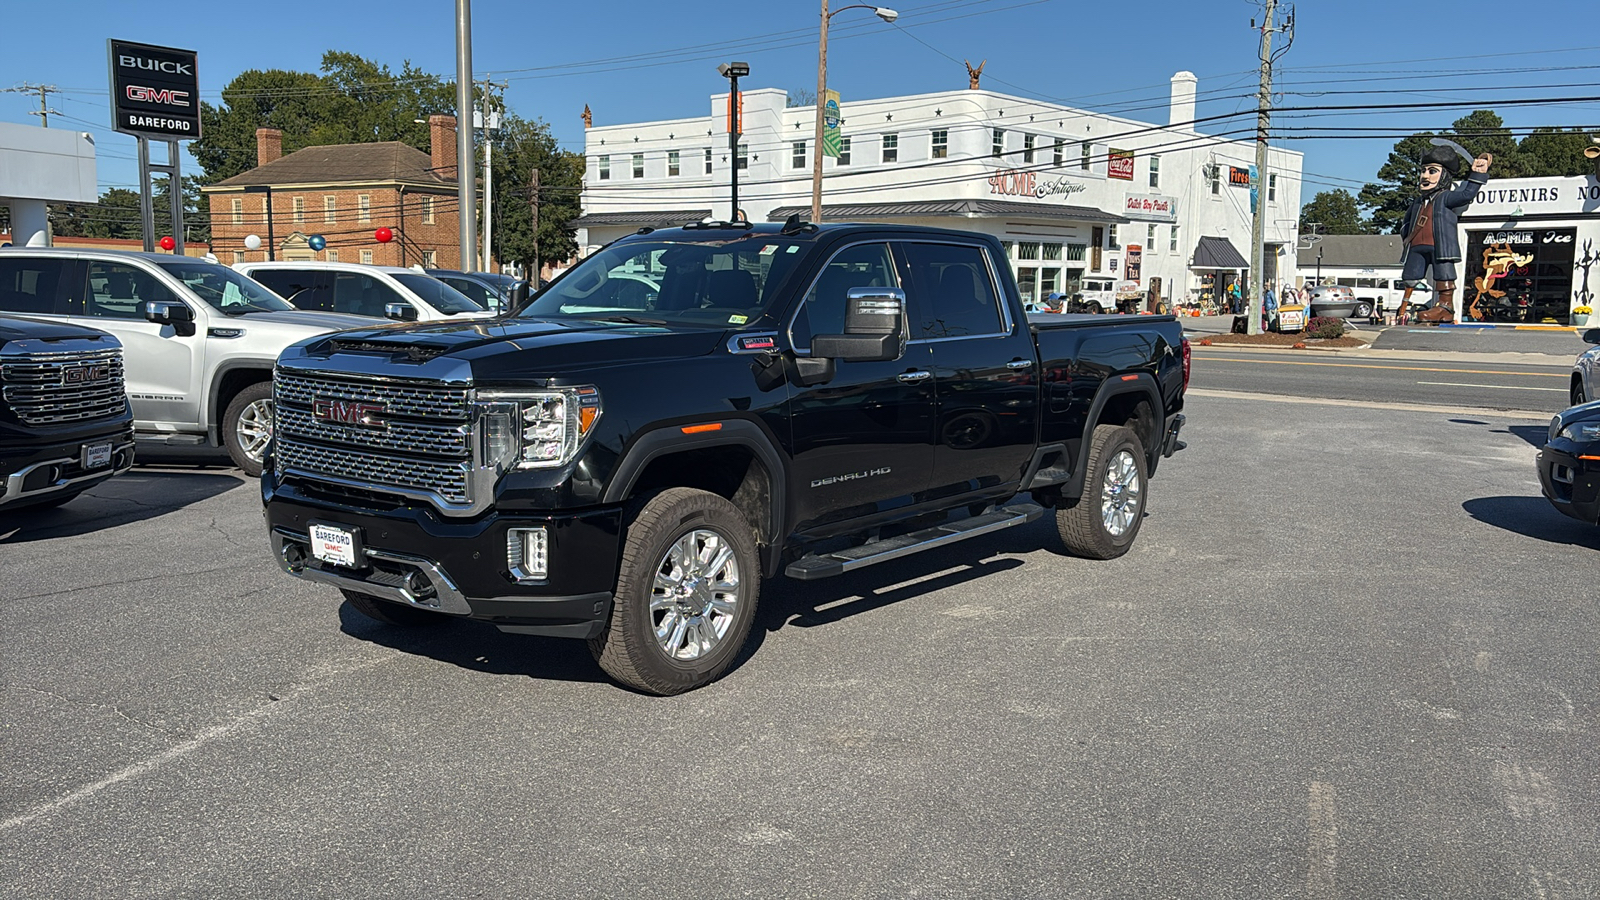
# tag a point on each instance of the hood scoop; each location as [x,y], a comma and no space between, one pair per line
[412,352]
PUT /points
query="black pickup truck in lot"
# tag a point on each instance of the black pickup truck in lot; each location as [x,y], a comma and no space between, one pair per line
[626,456]
[65,424]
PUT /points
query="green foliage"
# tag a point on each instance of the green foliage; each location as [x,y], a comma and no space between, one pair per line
[520,147]
[1555,151]
[116,214]
[1333,212]
[1325,327]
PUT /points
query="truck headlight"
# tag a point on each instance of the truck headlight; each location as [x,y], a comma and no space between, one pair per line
[1582,432]
[536,429]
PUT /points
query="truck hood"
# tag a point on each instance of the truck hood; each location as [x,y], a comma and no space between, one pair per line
[520,348]
[16,328]
[322,321]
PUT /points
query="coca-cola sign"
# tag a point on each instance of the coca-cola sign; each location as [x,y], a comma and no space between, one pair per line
[1119,164]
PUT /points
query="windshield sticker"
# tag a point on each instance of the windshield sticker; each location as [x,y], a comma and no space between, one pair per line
[769,249]
[738,320]
[793,248]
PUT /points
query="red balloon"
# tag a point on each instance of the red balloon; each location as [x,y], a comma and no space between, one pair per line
[167,243]
[384,235]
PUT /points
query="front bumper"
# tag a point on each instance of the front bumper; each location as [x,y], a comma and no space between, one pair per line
[1570,482]
[413,556]
[33,473]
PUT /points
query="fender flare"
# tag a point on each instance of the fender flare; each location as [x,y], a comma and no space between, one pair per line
[669,439]
[1115,386]
[213,409]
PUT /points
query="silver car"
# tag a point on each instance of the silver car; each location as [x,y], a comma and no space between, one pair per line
[1336,301]
[1586,371]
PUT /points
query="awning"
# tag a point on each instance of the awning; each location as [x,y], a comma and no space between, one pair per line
[845,212]
[637,218]
[1217,253]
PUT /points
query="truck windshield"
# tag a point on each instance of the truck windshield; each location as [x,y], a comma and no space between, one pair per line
[439,295]
[715,283]
[224,289]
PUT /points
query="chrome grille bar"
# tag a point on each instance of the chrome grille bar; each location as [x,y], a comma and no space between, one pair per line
[55,387]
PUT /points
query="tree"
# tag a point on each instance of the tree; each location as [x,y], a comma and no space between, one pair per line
[520,147]
[1555,151]
[1391,194]
[116,214]
[1333,212]
[801,98]
[1483,131]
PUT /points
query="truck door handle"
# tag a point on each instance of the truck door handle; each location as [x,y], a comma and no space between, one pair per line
[1020,364]
[914,377]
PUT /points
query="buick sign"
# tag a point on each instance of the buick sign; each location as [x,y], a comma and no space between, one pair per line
[155,91]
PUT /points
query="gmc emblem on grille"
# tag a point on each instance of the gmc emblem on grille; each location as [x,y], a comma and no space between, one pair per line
[345,412]
[85,374]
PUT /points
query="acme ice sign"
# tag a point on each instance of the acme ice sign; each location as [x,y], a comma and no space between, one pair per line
[155,91]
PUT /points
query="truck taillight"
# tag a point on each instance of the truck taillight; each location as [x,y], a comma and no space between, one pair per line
[1186,359]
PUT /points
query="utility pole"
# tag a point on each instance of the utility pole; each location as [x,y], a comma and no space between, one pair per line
[1258,190]
[466,189]
[44,112]
[533,197]
[490,124]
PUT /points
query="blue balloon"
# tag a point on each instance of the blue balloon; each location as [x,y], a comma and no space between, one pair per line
[317,242]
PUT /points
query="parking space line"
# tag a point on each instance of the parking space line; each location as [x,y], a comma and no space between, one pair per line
[1322,848]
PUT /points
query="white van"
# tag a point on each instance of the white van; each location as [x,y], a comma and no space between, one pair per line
[1383,294]
[379,292]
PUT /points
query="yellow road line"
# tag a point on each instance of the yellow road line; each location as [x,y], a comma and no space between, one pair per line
[1293,362]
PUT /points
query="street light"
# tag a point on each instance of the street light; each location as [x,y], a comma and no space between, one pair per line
[882,12]
[734,71]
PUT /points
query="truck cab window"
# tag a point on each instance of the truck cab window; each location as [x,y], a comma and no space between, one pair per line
[117,291]
[822,312]
[953,292]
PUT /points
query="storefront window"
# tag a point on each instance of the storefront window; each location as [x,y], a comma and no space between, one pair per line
[1028,284]
[1028,250]
[1052,251]
[1112,242]
[1532,269]
[1009,248]
[1049,281]
[1077,252]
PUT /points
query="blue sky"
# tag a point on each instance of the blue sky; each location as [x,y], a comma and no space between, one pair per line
[633,61]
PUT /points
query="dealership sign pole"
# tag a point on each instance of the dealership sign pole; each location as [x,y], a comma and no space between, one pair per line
[155,95]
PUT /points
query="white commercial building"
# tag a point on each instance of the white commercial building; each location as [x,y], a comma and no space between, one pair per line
[40,166]
[1081,199]
[1532,242]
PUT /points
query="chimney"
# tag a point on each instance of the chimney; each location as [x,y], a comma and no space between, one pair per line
[442,146]
[1184,85]
[269,145]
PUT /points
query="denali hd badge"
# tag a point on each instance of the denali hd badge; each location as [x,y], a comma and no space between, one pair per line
[345,412]
[864,473]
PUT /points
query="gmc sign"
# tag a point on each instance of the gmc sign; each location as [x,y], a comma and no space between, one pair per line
[153,90]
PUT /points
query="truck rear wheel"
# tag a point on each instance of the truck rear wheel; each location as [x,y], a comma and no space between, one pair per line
[390,613]
[247,427]
[686,594]
[1105,520]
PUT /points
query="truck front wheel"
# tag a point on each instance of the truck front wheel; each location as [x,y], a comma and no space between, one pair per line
[1105,520]
[686,594]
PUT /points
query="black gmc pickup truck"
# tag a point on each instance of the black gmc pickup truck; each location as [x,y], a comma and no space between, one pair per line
[65,424]
[624,457]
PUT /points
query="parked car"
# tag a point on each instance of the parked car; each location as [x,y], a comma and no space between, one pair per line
[199,339]
[1569,462]
[65,425]
[805,400]
[1100,291]
[1586,371]
[376,292]
[490,290]
[1338,302]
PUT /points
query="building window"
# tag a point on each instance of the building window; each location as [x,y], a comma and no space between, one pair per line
[798,151]
[941,143]
[427,211]
[1272,187]
[238,256]
[1214,175]
[997,146]
[1172,242]
[638,165]
[1150,237]
[1009,248]
[238,211]
[366,257]
[299,210]
[708,160]
[844,152]
[364,207]
[1111,238]
[605,168]
[330,209]
[1077,252]
[743,157]
[891,148]
[1060,149]
[333,256]
[673,169]
[1028,250]
[1027,148]
[1083,156]
[1052,252]
[1155,170]
[430,259]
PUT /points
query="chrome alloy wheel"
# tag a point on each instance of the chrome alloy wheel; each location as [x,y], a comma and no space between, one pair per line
[695,595]
[254,429]
[1120,501]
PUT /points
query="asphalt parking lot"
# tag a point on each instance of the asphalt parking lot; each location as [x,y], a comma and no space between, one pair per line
[1351,655]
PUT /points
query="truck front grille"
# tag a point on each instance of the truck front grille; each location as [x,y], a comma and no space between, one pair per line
[68,386]
[409,438]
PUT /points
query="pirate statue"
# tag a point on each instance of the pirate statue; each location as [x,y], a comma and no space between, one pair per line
[1430,226]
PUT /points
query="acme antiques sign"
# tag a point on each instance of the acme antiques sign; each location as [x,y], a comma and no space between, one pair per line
[1028,184]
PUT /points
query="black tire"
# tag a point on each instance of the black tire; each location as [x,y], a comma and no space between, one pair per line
[390,613]
[1576,396]
[629,649]
[1363,311]
[246,454]
[1083,526]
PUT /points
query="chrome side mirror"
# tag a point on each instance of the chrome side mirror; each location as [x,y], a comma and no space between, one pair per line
[400,312]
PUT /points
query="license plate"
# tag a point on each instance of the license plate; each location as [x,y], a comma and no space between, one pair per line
[332,544]
[97,456]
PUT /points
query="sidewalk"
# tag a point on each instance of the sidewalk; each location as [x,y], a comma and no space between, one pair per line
[1544,343]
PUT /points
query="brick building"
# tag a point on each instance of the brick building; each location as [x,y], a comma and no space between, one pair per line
[345,193]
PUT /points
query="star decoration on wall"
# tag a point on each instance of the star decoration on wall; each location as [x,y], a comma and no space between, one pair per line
[708,132]
[888,117]
[671,137]
[602,142]
[938,112]
[636,139]
[724,157]
[1030,117]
